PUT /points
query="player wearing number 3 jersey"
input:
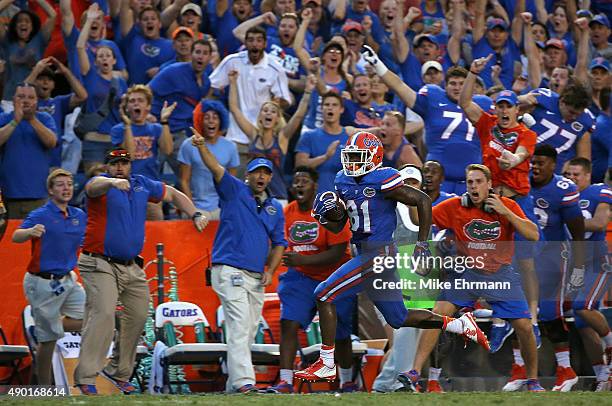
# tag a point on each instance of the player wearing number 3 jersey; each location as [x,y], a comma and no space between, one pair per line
[370,193]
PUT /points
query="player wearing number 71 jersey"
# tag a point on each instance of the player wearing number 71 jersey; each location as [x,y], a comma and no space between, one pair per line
[449,135]
[370,193]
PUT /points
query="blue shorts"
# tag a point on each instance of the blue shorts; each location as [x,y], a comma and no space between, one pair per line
[524,249]
[454,186]
[596,281]
[298,302]
[357,275]
[507,302]
[551,268]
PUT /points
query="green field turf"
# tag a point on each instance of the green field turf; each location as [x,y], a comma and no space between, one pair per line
[403,399]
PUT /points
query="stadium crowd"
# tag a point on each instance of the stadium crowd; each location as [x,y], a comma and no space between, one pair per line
[198,96]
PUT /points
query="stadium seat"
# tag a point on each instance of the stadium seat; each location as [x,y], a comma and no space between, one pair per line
[170,315]
[11,356]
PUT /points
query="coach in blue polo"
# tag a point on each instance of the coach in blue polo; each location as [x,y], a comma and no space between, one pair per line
[249,239]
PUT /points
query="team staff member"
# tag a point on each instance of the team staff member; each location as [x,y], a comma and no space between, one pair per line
[314,254]
[484,225]
[117,208]
[56,231]
[250,237]
[506,147]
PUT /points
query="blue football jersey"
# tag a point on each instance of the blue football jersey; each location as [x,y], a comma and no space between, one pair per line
[372,216]
[553,130]
[556,203]
[450,137]
[589,200]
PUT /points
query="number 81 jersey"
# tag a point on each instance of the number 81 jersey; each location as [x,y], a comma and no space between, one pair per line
[372,216]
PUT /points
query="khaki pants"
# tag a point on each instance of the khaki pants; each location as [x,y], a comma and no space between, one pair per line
[242,307]
[105,283]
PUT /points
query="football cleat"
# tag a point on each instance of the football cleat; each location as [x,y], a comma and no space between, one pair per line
[566,379]
[434,387]
[317,372]
[410,380]
[498,336]
[472,332]
[517,379]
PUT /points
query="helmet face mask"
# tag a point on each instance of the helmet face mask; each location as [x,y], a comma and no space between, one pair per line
[362,154]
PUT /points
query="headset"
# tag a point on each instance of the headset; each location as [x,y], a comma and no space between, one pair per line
[467,202]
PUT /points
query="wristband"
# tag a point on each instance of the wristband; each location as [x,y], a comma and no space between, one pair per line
[473,73]
[163,122]
[196,215]
[13,123]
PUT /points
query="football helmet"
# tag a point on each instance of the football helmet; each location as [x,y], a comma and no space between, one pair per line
[362,154]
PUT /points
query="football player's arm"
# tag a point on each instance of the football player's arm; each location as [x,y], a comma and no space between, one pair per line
[600,220]
[471,109]
[414,197]
[583,146]
[330,256]
[207,157]
[394,82]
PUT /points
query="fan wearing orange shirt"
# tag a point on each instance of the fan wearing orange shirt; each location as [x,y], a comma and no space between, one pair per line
[507,147]
[484,225]
[313,254]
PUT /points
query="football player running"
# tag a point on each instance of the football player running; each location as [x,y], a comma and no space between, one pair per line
[370,194]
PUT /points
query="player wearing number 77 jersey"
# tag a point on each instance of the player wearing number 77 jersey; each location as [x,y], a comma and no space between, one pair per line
[562,121]
[449,135]
[371,193]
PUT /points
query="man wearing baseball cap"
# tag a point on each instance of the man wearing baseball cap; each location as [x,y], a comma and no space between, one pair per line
[600,32]
[191,17]
[555,55]
[432,73]
[425,48]
[240,257]
[599,78]
[494,37]
[182,41]
[112,269]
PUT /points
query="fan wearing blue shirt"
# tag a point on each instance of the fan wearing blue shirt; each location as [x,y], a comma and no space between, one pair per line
[95,39]
[145,50]
[319,148]
[494,37]
[26,137]
[59,106]
[183,83]
[562,121]
[143,139]
[227,17]
[211,120]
